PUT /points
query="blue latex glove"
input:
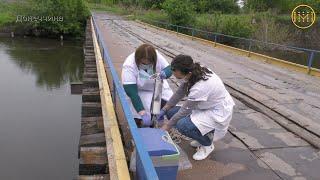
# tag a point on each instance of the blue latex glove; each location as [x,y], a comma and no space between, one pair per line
[146,119]
[162,75]
[161,115]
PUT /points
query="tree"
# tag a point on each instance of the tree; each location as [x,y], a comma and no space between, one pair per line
[180,11]
[283,6]
[73,13]
[224,6]
[151,3]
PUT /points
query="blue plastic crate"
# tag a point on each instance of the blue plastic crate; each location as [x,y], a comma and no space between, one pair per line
[163,152]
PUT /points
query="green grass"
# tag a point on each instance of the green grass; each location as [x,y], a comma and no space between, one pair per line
[5,18]
[237,25]
[8,13]
[154,15]
[114,9]
[230,24]
[131,12]
[73,24]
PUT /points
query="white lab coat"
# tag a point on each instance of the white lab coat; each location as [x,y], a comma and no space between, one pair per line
[214,111]
[132,75]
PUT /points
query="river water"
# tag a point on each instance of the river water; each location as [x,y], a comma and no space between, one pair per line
[39,118]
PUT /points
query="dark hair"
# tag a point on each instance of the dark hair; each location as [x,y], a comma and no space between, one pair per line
[185,64]
[146,51]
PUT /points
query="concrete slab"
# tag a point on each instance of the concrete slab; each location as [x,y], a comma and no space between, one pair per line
[230,160]
[260,139]
[293,163]
[258,131]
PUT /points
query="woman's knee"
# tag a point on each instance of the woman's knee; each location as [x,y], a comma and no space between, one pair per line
[183,125]
[171,112]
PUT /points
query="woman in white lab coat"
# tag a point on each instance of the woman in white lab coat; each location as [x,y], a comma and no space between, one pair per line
[207,111]
[136,72]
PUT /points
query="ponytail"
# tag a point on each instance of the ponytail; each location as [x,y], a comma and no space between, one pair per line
[198,73]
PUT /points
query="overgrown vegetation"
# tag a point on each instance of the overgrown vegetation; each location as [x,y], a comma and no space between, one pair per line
[9,11]
[73,12]
[180,12]
[46,17]
[229,24]
[264,20]
[280,6]
[223,6]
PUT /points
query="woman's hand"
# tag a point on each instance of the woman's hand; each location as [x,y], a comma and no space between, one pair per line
[166,127]
[161,115]
[142,112]
[162,75]
[146,118]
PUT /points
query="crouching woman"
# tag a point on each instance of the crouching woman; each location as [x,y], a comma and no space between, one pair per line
[207,111]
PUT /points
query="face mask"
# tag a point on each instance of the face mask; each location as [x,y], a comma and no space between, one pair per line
[147,67]
[183,80]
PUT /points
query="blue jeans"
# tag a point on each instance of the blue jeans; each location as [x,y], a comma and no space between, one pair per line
[186,127]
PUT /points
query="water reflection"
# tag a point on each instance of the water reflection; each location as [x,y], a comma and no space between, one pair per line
[39,118]
[52,62]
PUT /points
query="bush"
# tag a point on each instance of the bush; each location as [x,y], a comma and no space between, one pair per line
[235,25]
[74,13]
[9,12]
[269,30]
[113,8]
[155,15]
[282,6]
[5,18]
[223,6]
[151,4]
[180,12]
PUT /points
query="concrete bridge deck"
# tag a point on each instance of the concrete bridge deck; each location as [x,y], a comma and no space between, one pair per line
[275,131]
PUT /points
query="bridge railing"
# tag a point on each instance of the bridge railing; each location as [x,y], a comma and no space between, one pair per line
[302,56]
[148,170]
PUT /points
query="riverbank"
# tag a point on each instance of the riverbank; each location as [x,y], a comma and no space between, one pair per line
[46,18]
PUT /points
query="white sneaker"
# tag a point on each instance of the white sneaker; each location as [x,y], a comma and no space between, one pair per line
[195,144]
[203,152]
